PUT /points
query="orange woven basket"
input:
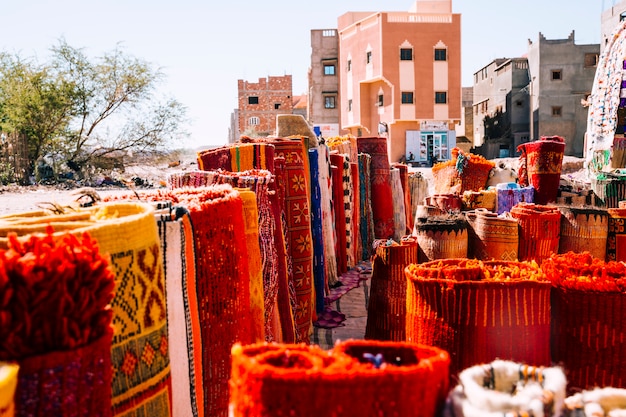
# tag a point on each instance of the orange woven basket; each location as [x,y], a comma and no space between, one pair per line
[584,229]
[386,309]
[350,380]
[479,310]
[492,236]
[441,237]
[464,172]
[588,319]
[539,231]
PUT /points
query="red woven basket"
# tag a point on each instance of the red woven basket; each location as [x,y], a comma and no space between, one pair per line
[386,309]
[539,231]
[305,381]
[478,314]
[541,162]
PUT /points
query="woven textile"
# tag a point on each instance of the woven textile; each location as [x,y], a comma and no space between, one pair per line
[485,199]
[399,210]
[441,237]
[238,157]
[298,231]
[183,318]
[317,232]
[343,145]
[380,185]
[418,188]
[464,172]
[339,211]
[128,233]
[541,167]
[366,219]
[610,189]
[588,310]
[539,230]
[510,193]
[404,181]
[259,182]
[492,236]
[480,310]
[8,385]
[584,229]
[75,382]
[355,243]
[305,381]
[447,203]
[616,235]
[343,192]
[386,309]
[328,229]
[508,388]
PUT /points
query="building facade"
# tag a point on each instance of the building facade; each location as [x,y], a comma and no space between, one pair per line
[400,76]
[260,103]
[611,17]
[323,94]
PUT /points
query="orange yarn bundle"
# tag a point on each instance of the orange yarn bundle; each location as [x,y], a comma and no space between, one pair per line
[464,172]
[356,378]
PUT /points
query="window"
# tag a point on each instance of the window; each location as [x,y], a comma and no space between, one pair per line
[407,97]
[556,111]
[253,100]
[368,57]
[440,55]
[380,100]
[406,54]
[253,121]
[329,69]
[349,65]
[556,75]
[519,103]
[591,60]
[350,105]
[441,97]
[622,16]
[276,106]
[329,102]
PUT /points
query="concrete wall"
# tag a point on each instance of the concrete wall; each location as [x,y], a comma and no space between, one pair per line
[324,51]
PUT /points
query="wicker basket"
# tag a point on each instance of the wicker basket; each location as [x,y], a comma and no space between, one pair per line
[305,381]
[541,162]
[540,228]
[441,237]
[464,172]
[492,236]
[454,305]
[507,388]
[584,229]
[386,309]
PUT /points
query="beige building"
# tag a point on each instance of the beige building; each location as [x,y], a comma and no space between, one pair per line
[611,17]
[400,76]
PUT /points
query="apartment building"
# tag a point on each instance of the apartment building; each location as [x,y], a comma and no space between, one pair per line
[400,76]
[259,103]
[610,18]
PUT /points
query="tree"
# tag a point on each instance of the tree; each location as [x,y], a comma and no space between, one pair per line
[87,109]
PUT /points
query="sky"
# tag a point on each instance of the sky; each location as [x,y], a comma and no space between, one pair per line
[203,48]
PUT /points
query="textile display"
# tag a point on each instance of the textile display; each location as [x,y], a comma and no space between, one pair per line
[404,180]
[183,319]
[343,190]
[128,233]
[258,181]
[366,228]
[588,306]
[328,229]
[391,378]
[8,385]
[447,203]
[238,157]
[508,388]
[480,310]
[442,237]
[541,162]
[346,145]
[618,159]
[341,250]
[286,287]
[355,242]
[598,402]
[609,188]
[616,235]
[492,236]
[380,185]
[463,172]
[508,194]
[605,99]
[485,199]
[317,232]
[418,188]
[298,231]
[386,309]
[399,210]
[539,230]
[584,229]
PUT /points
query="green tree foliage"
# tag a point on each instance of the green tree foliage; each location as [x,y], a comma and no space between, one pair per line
[86,108]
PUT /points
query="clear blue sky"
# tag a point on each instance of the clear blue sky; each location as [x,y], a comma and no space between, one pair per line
[204,47]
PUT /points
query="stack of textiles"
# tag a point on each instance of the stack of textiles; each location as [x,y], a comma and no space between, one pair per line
[541,162]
